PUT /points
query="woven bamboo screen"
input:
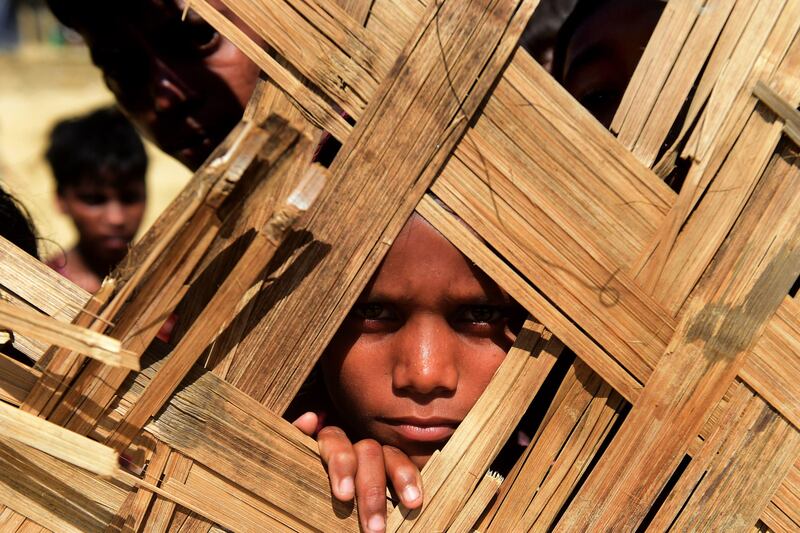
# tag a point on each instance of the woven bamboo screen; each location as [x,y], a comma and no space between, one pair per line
[681,410]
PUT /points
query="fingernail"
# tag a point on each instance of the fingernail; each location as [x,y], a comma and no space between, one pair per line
[346,487]
[410,493]
[376,523]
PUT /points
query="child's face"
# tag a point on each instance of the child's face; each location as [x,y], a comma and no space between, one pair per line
[107,217]
[180,82]
[603,52]
[420,345]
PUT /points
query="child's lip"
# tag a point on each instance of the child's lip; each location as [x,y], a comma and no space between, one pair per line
[434,429]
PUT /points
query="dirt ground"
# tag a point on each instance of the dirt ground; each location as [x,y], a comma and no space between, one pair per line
[38,86]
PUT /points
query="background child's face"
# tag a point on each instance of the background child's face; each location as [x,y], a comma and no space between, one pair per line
[602,54]
[180,82]
[107,217]
[420,345]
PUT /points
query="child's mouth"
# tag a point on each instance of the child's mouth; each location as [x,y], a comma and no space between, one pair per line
[422,429]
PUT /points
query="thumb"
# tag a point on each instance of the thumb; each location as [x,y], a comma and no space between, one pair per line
[307,423]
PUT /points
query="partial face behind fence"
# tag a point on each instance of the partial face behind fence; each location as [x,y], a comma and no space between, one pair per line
[180,82]
[420,346]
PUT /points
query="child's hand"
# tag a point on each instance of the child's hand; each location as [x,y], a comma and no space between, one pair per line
[361,470]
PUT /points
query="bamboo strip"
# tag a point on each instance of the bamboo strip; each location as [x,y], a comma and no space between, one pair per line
[315,108]
[679,22]
[589,288]
[745,473]
[783,512]
[761,46]
[662,262]
[385,159]
[54,440]
[456,231]
[469,514]
[38,284]
[673,271]
[701,458]
[164,509]
[178,519]
[52,331]
[34,349]
[52,493]
[31,527]
[219,310]
[775,519]
[727,313]
[143,497]
[718,59]
[195,523]
[703,38]
[227,504]
[96,385]
[347,76]
[10,520]
[567,442]
[177,522]
[232,434]
[453,475]
[789,115]
[60,364]
[16,380]
[773,367]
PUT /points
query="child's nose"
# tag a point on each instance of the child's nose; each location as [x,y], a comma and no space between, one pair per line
[425,358]
[115,213]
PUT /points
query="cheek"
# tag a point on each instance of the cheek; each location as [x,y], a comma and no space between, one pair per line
[357,373]
[134,214]
[85,217]
[477,369]
[236,70]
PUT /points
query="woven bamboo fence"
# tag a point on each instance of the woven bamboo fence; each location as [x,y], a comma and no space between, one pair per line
[682,408]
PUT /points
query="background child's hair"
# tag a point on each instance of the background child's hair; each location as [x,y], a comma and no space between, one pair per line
[15,224]
[100,146]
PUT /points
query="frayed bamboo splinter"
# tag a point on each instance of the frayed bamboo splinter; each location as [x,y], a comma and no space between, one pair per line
[81,340]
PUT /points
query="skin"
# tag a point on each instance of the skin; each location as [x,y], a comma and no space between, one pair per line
[602,54]
[107,218]
[182,84]
[406,366]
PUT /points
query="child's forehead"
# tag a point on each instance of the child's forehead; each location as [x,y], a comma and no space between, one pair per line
[106,183]
[423,263]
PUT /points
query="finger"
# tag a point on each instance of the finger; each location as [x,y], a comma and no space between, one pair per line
[371,485]
[307,423]
[338,455]
[404,476]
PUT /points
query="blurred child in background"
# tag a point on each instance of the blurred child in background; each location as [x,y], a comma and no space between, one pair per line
[99,165]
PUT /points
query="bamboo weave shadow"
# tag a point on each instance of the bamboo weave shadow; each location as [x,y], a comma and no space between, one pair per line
[682,407]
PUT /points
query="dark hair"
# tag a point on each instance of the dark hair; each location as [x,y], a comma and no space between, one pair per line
[16,225]
[84,15]
[102,146]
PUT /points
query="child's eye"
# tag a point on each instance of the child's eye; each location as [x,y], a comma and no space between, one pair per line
[131,197]
[92,199]
[372,311]
[481,313]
